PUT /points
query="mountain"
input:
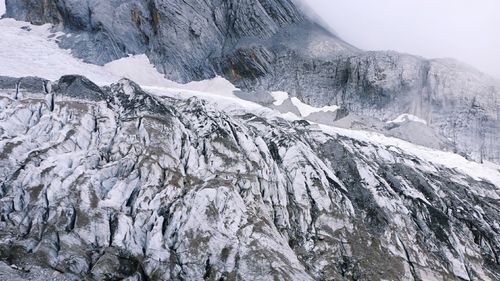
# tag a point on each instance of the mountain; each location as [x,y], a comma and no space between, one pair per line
[186,40]
[112,182]
[270,45]
[300,173]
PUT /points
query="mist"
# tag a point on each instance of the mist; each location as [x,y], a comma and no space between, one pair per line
[466,30]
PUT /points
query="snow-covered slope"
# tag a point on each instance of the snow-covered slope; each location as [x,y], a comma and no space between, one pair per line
[114,182]
[2,8]
[271,45]
[110,180]
[31,50]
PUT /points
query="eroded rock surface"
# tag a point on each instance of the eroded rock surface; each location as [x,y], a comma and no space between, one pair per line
[110,183]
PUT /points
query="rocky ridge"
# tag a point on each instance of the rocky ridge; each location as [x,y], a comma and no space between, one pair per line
[111,182]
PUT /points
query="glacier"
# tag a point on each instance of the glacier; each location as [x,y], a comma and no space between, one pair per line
[103,178]
[114,182]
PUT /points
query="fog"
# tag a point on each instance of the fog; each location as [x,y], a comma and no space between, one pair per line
[467,30]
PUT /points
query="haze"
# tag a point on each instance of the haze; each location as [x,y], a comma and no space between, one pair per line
[462,29]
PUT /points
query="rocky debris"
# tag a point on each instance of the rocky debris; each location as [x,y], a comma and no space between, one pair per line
[14,273]
[115,183]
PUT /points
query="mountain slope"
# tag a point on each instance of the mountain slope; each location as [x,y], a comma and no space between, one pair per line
[271,45]
[190,182]
[186,40]
[113,182]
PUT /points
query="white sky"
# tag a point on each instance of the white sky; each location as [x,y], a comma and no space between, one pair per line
[468,30]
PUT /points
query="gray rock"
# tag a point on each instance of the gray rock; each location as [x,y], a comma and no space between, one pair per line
[272,45]
[139,187]
[18,87]
[79,87]
[16,273]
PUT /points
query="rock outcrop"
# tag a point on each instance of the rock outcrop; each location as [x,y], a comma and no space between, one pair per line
[272,45]
[109,183]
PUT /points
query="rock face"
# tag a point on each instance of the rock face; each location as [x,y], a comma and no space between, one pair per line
[186,40]
[271,45]
[111,183]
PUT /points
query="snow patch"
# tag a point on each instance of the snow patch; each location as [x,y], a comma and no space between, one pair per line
[407,117]
[489,171]
[139,69]
[279,97]
[2,7]
[306,110]
[290,116]
[35,52]
[324,47]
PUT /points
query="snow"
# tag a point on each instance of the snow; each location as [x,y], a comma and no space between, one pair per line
[2,8]
[32,53]
[302,181]
[489,171]
[290,116]
[140,70]
[36,53]
[224,102]
[279,97]
[306,110]
[408,117]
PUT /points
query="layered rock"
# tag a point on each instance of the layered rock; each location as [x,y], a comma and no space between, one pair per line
[272,45]
[112,182]
[186,40]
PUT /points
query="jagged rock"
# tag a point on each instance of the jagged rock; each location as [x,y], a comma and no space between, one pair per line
[272,45]
[15,273]
[79,87]
[136,186]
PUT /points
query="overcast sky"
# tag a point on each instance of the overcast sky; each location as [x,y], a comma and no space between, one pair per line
[468,30]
